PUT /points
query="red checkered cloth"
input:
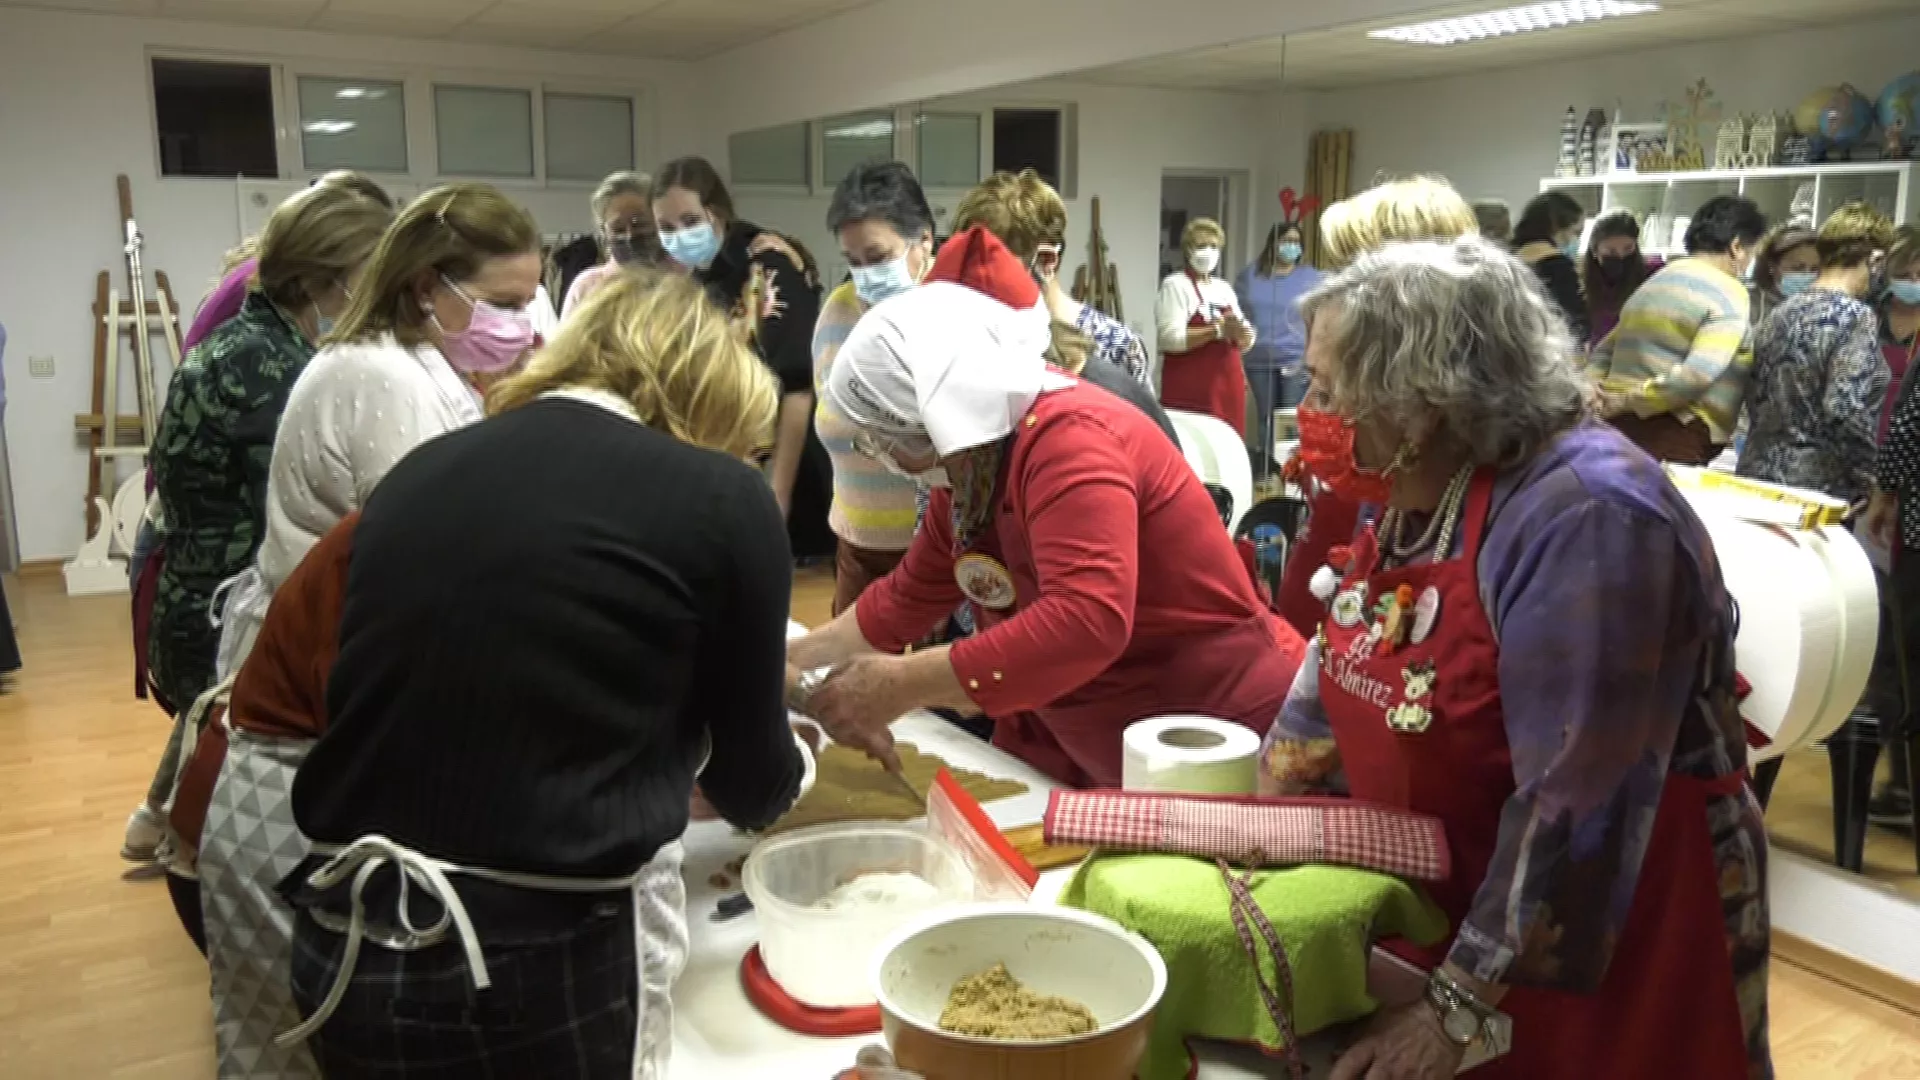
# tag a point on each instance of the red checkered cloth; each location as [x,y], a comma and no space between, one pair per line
[1266,832]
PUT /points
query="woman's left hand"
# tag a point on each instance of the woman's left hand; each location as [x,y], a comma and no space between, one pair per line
[1401,1043]
[772,241]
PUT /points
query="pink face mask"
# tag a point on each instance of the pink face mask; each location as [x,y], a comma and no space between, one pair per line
[494,340]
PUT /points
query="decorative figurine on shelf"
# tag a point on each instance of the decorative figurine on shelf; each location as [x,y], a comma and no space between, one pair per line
[1569,163]
[1796,149]
[1763,142]
[1684,120]
[1730,149]
[1590,140]
[1896,145]
[1800,209]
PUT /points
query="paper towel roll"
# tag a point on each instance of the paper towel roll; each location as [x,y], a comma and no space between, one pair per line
[1195,754]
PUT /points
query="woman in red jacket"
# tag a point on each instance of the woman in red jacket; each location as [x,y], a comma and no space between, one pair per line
[1050,496]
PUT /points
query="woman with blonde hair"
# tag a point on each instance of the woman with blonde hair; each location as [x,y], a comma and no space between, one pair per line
[1398,211]
[439,311]
[556,620]
[1203,332]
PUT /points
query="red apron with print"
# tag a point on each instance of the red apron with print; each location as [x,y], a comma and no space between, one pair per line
[1666,1006]
[1209,379]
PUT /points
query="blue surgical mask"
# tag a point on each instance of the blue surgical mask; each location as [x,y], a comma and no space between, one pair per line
[692,247]
[1794,282]
[1571,249]
[1905,290]
[1289,251]
[882,280]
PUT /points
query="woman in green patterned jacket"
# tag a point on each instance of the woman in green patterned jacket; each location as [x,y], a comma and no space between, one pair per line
[215,442]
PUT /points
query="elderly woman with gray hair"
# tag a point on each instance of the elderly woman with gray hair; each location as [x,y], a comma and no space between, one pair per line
[623,216]
[1528,639]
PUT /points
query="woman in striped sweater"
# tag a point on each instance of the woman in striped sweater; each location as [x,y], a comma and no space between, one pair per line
[1672,376]
[885,228]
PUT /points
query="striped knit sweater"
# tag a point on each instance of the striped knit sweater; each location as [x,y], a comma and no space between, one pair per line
[872,508]
[1683,346]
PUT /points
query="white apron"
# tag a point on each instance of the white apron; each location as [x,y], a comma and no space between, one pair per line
[249,843]
[659,929]
[239,609]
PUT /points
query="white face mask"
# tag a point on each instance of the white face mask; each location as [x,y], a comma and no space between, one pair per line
[1204,259]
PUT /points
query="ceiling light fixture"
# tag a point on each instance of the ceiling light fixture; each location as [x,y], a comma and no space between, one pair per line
[866,129]
[350,92]
[1515,20]
[328,127]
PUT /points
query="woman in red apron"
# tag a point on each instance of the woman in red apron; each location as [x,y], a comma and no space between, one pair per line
[1529,639]
[1202,333]
[1047,492]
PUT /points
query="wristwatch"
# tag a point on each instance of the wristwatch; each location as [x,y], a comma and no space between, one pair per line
[1465,1018]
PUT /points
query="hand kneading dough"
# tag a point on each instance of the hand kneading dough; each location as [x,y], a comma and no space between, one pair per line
[850,786]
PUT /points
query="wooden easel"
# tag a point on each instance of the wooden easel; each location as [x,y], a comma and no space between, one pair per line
[114,317]
[106,430]
[1097,283]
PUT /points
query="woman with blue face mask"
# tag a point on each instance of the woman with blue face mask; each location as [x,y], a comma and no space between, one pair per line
[1788,262]
[1547,238]
[764,288]
[1270,290]
[885,229]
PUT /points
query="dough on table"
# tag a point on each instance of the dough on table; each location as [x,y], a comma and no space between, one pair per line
[850,786]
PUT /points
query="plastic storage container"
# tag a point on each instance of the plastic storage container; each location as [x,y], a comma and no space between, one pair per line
[824,958]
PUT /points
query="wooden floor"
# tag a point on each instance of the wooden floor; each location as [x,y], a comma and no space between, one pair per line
[1800,818]
[97,981]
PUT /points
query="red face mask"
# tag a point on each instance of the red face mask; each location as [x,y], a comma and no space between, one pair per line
[1326,447]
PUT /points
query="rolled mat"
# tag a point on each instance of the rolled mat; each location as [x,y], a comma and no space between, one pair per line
[1327,918]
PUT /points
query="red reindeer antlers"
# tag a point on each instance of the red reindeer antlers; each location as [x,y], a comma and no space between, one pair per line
[1296,208]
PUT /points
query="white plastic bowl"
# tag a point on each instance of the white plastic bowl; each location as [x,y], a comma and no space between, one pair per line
[824,958]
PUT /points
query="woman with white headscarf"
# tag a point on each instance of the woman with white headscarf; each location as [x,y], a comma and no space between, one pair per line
[1049,496]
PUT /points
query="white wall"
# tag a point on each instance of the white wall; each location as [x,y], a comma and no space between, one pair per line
[75,111]
[1127,138]
[1498,133]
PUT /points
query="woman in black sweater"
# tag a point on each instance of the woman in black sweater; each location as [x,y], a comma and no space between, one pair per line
[554,621]
[762,281]
[1547,238]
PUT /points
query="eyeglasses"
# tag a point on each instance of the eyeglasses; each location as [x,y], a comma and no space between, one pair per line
[881,447]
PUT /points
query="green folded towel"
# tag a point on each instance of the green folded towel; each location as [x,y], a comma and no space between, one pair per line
[1327,917]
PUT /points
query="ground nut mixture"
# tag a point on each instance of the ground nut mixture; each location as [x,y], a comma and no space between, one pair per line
[992,1005]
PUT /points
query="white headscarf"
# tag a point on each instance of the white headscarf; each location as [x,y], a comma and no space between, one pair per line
[945,360]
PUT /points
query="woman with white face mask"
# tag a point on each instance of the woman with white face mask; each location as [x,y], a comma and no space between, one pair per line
[885,229]
[1049,496]
[1203,333]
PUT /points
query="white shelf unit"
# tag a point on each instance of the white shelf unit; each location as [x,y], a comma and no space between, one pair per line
[1888,185]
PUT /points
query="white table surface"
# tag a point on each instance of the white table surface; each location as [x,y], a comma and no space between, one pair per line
[720,1035]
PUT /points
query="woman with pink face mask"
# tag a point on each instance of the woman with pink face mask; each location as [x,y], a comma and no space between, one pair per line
[439,315]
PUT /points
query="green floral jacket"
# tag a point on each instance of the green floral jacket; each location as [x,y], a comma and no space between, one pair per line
[211,459]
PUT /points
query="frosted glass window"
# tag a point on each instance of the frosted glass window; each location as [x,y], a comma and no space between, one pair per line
[353,124]
[949,149]
[769,156]
[588,136]
[483,131]
[846,141]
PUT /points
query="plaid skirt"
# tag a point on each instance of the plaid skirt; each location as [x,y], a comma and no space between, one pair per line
[585,1001]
